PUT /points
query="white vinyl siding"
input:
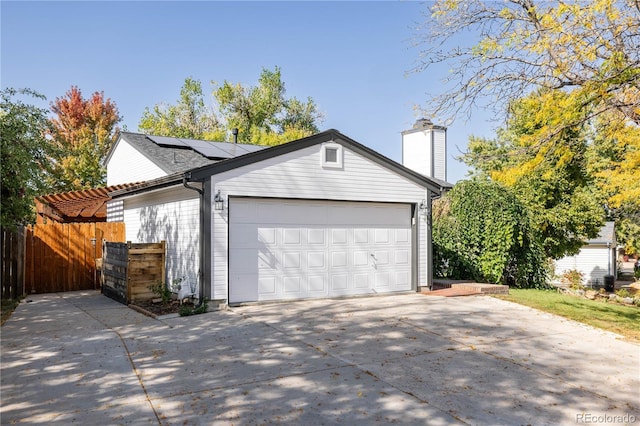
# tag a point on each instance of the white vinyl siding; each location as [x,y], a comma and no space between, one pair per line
[425,152]
[592,261]
[172,215]
[299,175]
[416,152]
[115,211]
[128,165]
[440,154]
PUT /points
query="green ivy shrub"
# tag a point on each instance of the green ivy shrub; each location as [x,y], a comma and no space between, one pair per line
[482,232]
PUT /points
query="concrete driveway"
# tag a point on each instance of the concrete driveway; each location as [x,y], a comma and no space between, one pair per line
[409,359]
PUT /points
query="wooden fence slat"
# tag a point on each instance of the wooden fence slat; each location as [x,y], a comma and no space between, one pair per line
[61,256]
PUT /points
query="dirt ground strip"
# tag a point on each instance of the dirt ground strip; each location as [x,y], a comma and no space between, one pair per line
[81,358]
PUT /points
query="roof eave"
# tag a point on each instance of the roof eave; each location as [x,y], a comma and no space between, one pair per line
[150,185]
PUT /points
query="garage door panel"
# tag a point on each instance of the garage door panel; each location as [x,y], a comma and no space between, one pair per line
[360,258]
[361,281]
[402,281]
[382,280]
[338,259]
[291,260]
[338,237]
[316,260]
[381,257]
[318,285]
[291,236]
[293,286]
[266,235]
[316,236]
[298,249]
[381,236]
[267,286]
[339,284]
[361,236]
[402,257]
[402,236]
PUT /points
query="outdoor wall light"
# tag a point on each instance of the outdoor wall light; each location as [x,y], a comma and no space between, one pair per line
[218,202]
[424,208]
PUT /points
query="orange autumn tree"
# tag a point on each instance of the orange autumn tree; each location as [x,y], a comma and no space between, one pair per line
[81,132]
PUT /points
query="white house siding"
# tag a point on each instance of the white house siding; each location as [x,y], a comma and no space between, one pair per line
[592,261]
[300,175]
[417,152]
[172,215]
[440,154]
[127,165]
[115,211]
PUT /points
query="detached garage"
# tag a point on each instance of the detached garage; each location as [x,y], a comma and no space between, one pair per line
[319,217]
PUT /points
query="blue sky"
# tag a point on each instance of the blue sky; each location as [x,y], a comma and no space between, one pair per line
[352,58]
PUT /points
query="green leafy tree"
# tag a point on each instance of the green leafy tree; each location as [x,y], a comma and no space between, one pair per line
[577,65]
[188,118]
[24,153]
[550,176]
[482,232]
[590,48]
[614,162]
[262,114]
[82,132]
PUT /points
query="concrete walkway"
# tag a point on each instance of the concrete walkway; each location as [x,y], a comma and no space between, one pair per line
[81,358]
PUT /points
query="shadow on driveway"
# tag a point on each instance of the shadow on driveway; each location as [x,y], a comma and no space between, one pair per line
[408,359]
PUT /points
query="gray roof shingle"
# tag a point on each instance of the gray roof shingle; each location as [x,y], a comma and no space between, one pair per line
[170,159]
[607,235]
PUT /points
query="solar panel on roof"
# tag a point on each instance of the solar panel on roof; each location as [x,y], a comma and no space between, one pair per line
[209,149]
[252,148]
[167,141]
[221,150]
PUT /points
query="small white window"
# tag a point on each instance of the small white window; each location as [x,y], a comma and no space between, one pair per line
[332,155]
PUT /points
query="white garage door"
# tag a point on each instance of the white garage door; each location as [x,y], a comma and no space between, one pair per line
[283,249]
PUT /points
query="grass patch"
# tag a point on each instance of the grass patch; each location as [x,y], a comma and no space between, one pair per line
[624,320]
[6,309]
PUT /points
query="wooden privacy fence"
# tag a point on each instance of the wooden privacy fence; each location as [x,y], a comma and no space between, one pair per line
[128,269]
[61,256]
[13,248]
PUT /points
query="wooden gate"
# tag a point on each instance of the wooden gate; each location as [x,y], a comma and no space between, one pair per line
[61,256]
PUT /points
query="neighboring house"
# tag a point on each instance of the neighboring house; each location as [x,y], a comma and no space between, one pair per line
[321,216]
[595,259]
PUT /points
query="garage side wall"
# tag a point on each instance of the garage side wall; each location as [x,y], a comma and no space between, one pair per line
[172,215]
[301,175]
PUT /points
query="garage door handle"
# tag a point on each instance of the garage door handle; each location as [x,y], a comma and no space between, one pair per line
[374,263]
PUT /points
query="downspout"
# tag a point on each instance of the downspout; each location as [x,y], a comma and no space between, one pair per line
[185,179]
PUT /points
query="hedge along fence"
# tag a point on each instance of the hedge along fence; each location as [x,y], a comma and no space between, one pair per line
[128,269]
